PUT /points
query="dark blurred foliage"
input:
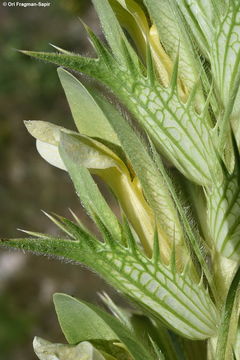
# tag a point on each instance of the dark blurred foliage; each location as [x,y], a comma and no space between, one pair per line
[30,90]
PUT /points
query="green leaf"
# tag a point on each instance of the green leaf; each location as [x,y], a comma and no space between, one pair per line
[87,115]
[49,351]
[76,232]
[225,62]
[87,190]
[223,214]
[114,34]
[224,122]
[180,303]
[79,322]
[225,54]
[158,351]
[151,180]
[237,345]
[75,316]
[90,66]
[132,18]
[229,321]
[174,37]
[200,17]
[80,251]
[192,236]
[121,314]
[156,339]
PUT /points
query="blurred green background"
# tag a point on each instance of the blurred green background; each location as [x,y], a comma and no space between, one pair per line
[30,90]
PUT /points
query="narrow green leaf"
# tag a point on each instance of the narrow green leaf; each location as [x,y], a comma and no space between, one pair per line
[225,62]
[172,33]
[109,240]
[197,350]
[152,182]
[60,49]
[87,115]
[237,345]
[169,342]
[77,220]
[175,71]
[79,322]
[132,18]
[200,17]
[55,247]
[130,241]
[113,32]
[87,190]
[119,313]
[158,351]
[36,234]
[101,49]
[151,76]
[156,255]
[224,124]
[225,50]
[147,332]
[77,232]
[230,313]
[59,224]
[192,236]
[74,315]
[93,67]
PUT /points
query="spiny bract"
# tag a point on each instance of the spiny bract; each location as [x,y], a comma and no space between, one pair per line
[175,67]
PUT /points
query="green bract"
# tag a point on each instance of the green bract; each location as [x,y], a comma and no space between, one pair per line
[170,155]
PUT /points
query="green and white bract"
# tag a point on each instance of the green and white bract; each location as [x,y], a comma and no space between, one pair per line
[170,155]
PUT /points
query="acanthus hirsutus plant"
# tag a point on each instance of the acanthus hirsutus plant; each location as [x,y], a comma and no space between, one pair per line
[169,151]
